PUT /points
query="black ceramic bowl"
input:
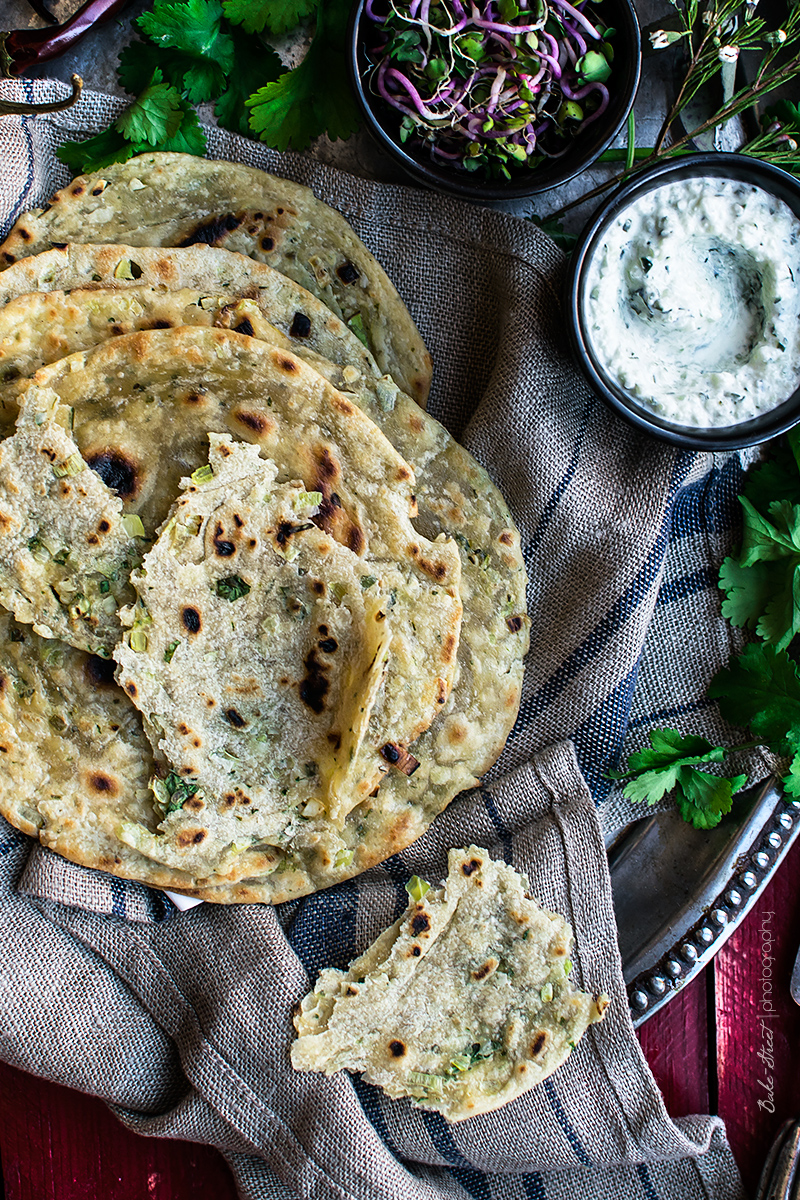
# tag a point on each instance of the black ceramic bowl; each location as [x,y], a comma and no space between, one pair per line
[738,167]
[383,121]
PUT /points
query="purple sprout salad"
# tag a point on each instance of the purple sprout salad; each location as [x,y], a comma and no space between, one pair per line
[495,88]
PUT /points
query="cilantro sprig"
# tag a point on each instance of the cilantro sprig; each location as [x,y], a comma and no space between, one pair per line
[759,690]
[671,764]
[219,52]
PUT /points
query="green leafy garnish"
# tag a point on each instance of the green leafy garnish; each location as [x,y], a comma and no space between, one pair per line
[761,690]
[763,583]
[256,65]
[671,764]
[276,16]
[170,650]
[155,115]
[232,587]
[315,97]
[193,29]
[159,119]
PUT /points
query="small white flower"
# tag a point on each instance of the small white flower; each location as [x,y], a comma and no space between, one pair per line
[775,37]
[662,38]
[728,54]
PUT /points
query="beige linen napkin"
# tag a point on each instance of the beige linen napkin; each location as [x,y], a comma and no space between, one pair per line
[182,1021]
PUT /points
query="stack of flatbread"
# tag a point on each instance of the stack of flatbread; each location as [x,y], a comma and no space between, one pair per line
[262,618]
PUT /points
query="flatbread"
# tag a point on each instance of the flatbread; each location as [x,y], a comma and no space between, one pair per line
[278,673]
[65,551]
[180,200]
[74,761]
[71,299]
[455,496]
[465,1003]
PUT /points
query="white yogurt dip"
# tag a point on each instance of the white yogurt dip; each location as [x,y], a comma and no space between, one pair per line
[692,301]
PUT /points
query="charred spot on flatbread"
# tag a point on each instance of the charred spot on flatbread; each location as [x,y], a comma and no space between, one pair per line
[118,470]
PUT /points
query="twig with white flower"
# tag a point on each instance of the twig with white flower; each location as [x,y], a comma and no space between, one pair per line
[719,32]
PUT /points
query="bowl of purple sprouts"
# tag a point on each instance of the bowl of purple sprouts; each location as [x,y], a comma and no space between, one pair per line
[495,99]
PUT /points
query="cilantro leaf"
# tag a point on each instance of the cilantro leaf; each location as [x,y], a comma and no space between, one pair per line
[154,116]
[670,748]
[671,765]
[168,122]
[780,621]
[189,137]
[777,478]
[315,97]
[761,689]
[791,782]
[96,153]
[201,79]
[255,65]
[749,591]
[192,26]
[703,799]
[137,62]
[764,540]
[312,99]
[764,597]
[276,16]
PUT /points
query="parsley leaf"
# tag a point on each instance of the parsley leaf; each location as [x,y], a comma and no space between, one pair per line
[671,765]
[277,16]
[96,153]
[255,65]
[315,97]
[154,116]
[193,27]
[765,540]
[189,137]
[761,689]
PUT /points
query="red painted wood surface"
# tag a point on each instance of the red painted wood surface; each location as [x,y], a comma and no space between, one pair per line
[758,1024]
[703,1048]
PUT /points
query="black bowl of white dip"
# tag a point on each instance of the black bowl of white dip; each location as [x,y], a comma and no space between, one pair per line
[684,301]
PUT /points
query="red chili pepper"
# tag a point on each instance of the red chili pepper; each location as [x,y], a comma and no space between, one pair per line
[21,49]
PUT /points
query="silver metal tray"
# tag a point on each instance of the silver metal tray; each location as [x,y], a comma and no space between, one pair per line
[679,893]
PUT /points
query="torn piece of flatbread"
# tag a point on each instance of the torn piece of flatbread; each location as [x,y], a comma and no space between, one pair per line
[278,672]
[66,548]
[463,1004]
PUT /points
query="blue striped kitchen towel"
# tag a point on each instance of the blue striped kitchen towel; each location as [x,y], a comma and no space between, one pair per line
[183,1023]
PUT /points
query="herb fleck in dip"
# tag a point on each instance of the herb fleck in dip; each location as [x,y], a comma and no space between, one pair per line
[692,301]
